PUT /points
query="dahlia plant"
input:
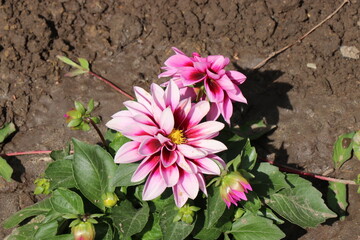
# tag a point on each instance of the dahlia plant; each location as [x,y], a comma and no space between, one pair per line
[169,143]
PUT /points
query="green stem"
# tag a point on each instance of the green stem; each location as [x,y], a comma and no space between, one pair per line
[98,131]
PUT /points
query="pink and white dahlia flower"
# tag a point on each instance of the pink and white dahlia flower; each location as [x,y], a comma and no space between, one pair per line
[221,86]
[175,149]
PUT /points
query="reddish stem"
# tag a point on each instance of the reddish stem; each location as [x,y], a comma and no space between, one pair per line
[24,153]
[293,170]
[112,85]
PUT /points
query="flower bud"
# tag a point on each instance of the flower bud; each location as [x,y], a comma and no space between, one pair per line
[110,199]
[186,214]
[42,186]
[233,188]
[83,231]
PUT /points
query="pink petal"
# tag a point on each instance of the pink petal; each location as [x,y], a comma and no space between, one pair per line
[128,153]
[213,90]
[145,168]
[143,97]
[178,60]
[190,184]
[214,112]
[200,66]
[203,130]
[209,145]
[149,146]
[191,152]
[226,84]
[226,109]
[191,75]
[218,62]
[236,95]
[170,175]
[180,195]
[172,96]
[212,75]
[177,51]
[188,92]
[236,76]
[196,114]
[128,127]
[167,157]
[167,121]
[136,108]
[182,111]
[154,186]
[122,113]
[186,165]
[168,73]
[158,95]
[146,124]
[202,184]
[207,166]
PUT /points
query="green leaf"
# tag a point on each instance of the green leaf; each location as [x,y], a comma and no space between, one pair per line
[250,227]
[248,156]
[254,129]
[61,174]
[154,233]
[94,169]
[6,130]
[40,208]
[302,204]
[356,144]
[67,202]
[46,230]
[68,61]
[75,122]
[342,149]
[268,213]
[90,106]
[5,170]
[60,154]
[75,73]
[84,63]
[129,220]
[215,207]
[253,204]
[117,142]
[336,198]
[268,180]
[104,231]
[80,107]
[123,174]
[173,230]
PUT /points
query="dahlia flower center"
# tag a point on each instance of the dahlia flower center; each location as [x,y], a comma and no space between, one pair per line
[177,136]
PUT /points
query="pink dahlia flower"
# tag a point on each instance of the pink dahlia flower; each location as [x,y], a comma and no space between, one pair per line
[175,149]
[233,188]
[221,86]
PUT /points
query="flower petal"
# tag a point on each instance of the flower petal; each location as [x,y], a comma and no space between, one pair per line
[145,167]
[149,146]
[213,90]
[128,127]
[207,166]
[236,76]
[172,95]
[178,60]
[143,97]
[190,184]
[196,114]
[203,130]
[167,157]
[128,153]
[167,121]
[136,108]
[218,62]
[226,109]
[180,195]
[191,152]
[170,175]
[209,145]
[154,186]
[185,164]
[214,112]
[202,184]
[191,75]
[158,96]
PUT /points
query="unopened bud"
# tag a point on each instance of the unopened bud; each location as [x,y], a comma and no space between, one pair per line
[83,231]
[110,199]
[233,188]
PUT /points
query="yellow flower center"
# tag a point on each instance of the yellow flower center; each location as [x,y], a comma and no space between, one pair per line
[177,136]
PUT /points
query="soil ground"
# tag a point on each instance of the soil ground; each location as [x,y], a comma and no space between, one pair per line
[128,41]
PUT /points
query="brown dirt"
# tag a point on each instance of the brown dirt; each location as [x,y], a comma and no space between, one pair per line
[127,42]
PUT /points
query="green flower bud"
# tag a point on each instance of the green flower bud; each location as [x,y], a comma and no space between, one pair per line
[83,231]
[110,199]
[42,186]
[186,214]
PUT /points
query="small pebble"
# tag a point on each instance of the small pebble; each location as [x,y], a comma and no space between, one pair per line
[311,65]
[349,52]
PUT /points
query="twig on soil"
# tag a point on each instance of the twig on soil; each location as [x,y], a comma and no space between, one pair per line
[24,153]
[112,85]
[293,170]
[273,54]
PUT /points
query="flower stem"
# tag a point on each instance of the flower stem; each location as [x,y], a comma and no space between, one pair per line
[98,131]
[293,170]
[112,85]
[24,153]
